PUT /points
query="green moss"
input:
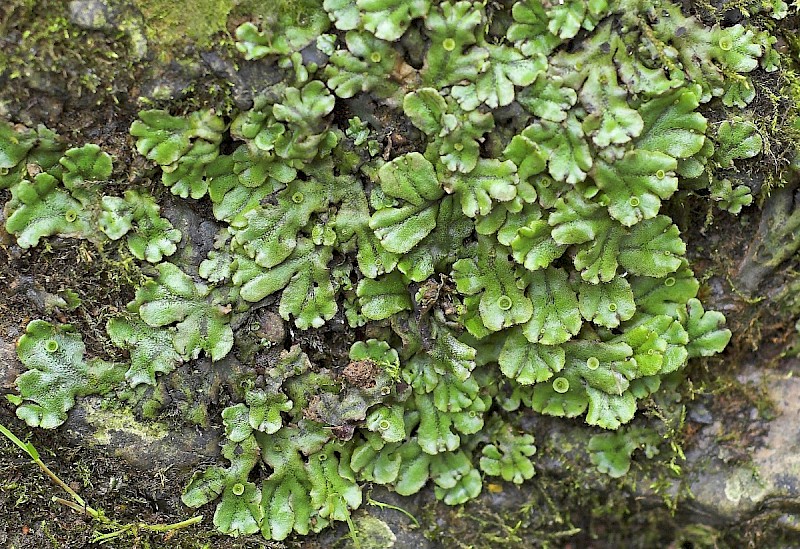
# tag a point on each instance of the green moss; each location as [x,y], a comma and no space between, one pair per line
[197,415]
[48,52]
[372,533]
[296,11]
[168,22]
[151,407]
[106,422]
[744,483]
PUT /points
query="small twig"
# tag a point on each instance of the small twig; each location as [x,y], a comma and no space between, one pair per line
[353,531]
[80,505]
[102,538]
[29,449]
[169,527]
[71,504]
[382,505]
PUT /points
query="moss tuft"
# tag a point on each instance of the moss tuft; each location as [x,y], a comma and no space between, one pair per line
[168,22]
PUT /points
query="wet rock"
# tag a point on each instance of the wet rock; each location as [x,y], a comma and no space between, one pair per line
[197,232]
[10,366]
[388,521]
[47,83]
[46,109]
[143,445]
[775,242]
[731,486]
[732,17]
[102,15]
[225,69]
[89,14]
[311,54]
[158,457]
[171,82]
[701,414]
[270,326]
[413,44]
[373,533]
[255,78]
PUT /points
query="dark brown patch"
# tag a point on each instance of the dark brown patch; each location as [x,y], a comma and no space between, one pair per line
[361,373]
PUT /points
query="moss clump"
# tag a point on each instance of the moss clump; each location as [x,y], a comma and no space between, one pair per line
[42,48]
[170,22]
[295,11]
[106,421]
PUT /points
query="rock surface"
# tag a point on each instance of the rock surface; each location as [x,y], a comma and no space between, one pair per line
[729,490]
